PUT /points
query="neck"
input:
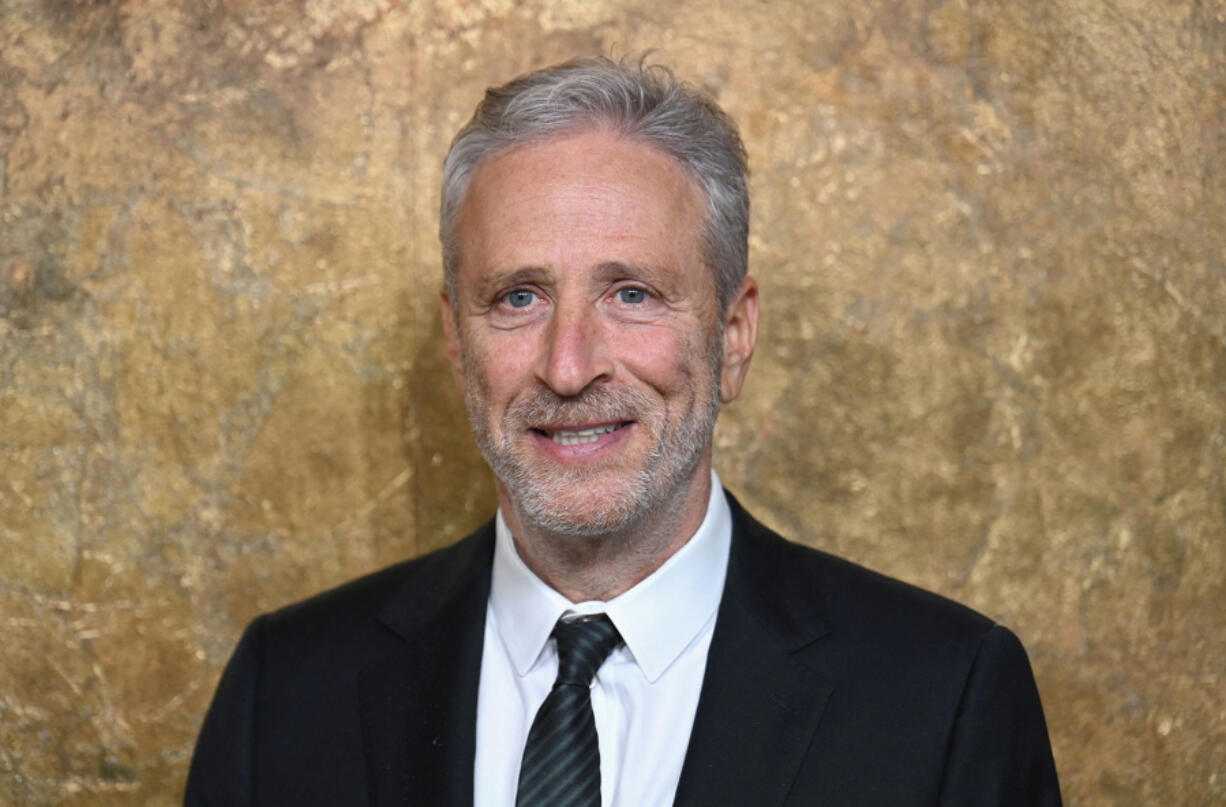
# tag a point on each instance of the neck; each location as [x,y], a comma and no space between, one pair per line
[600,567]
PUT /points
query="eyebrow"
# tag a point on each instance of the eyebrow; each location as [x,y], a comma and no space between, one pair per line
[604,272]
[499,280]
[610,270]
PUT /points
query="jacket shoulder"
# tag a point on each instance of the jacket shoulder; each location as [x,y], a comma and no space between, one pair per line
[849,599]
[338,623]
[928,700]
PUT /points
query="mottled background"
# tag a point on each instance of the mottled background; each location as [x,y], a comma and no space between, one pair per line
[991,248]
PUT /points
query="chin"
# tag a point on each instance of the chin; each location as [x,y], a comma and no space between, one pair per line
[579,507]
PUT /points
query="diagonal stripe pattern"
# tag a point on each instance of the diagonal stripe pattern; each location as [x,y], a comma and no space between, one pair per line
[561,766]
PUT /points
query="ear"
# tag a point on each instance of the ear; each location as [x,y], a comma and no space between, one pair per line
[451,334]
[740,338]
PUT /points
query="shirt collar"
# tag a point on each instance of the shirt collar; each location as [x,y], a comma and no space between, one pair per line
[658,618]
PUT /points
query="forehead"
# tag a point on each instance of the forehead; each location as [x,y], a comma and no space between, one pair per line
[590,196]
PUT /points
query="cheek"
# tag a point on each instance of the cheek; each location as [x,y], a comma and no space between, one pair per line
[668,361]
[498,365]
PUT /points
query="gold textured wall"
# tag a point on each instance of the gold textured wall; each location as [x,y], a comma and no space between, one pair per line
[991,243]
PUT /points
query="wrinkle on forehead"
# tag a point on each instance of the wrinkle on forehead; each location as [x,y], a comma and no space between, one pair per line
[590,185]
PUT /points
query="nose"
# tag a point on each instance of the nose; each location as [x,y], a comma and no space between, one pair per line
[576,354]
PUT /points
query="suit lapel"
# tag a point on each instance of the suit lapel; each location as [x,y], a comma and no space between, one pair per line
[419,700]
[759,707]
[760,704]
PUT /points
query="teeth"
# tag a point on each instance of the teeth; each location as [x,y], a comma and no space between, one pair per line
[568,438]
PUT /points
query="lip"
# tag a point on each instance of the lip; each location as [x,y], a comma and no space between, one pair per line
[582,448]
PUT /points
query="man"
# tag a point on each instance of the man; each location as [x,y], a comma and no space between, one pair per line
[623,632]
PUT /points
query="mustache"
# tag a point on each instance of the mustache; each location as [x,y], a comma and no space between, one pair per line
[593,405]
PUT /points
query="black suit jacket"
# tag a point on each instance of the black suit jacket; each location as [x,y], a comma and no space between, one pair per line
[826,684]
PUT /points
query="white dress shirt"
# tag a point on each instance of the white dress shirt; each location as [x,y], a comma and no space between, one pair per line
[644,697]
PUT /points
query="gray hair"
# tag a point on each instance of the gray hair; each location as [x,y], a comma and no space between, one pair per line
[635,99]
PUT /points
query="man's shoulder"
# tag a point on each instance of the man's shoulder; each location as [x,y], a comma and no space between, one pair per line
[850,599]
[905,681]
[862,595]
[347,614]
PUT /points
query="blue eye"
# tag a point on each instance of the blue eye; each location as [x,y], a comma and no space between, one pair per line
[520,298]
[631,295]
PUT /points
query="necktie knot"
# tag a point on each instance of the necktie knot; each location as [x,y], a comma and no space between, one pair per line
[583,645]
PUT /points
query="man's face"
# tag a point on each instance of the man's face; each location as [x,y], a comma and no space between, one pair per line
[586,331]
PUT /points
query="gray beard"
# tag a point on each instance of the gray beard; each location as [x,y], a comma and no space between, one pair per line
[537,495]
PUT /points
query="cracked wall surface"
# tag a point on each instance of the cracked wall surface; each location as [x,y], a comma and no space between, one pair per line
[990,242]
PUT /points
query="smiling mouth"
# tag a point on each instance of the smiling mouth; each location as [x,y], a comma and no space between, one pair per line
[577,437]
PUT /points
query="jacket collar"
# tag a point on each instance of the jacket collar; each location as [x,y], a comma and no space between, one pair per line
[419,699]
[759,708]
[760,703]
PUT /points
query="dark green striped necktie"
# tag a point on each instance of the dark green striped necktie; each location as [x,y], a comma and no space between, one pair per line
[561,766]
